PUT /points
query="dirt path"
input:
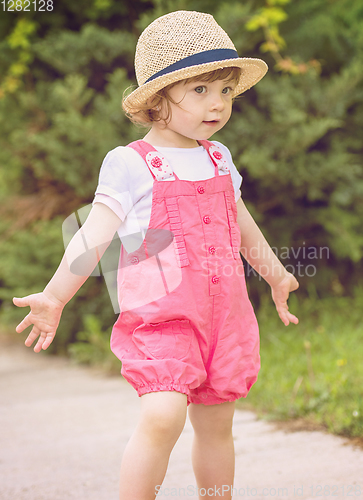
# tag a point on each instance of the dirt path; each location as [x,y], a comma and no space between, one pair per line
[63,430]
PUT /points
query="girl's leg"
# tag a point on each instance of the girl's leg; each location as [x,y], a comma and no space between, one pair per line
[213,448]
[147,453]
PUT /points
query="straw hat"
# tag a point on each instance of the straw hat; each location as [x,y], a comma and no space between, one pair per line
[181,45]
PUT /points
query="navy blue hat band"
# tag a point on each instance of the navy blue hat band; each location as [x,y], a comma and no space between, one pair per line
[208,56]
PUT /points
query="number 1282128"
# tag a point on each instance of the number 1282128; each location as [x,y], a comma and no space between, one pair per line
[27,5]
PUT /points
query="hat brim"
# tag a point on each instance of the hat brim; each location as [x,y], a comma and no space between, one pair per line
[253,70]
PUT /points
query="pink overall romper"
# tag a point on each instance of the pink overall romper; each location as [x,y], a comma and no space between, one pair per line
[186,323]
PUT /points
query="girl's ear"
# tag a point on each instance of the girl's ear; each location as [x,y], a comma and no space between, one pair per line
[158,107]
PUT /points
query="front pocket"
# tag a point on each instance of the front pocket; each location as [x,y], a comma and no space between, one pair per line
[170,339]
[140,284]
[148,279]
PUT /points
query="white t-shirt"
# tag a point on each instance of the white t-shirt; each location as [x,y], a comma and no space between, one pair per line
[125,183]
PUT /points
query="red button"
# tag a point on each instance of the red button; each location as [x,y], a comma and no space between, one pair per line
[215,279]
[200,189]
[206,219]
[212,250]
[134,260]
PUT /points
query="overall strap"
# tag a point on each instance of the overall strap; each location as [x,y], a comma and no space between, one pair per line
[216,155]
[160,170]
[156,162]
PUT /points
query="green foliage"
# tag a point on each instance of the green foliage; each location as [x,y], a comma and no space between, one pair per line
[295,137]
[92,347]
[37,263]
[78,52]
[268,15]
[19,42]
[313,370]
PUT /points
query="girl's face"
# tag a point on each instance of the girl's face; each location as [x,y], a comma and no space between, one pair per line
[202,109]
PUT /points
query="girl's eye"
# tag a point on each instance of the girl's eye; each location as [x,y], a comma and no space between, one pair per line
[201,89]
[227,90]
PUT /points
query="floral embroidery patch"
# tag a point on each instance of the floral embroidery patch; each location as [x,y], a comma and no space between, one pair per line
[159,166]
[219,158]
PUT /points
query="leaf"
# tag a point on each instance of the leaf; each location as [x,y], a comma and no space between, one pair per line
[19,38]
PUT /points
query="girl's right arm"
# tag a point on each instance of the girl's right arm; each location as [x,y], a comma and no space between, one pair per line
[46,307]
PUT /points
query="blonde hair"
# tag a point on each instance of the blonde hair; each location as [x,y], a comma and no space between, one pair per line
[149,112]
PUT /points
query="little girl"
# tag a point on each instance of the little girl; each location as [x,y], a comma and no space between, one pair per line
[186,334]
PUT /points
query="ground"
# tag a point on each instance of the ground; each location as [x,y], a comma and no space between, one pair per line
[64,428]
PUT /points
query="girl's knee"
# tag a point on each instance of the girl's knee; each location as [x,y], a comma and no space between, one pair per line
[163,415]
[215,421]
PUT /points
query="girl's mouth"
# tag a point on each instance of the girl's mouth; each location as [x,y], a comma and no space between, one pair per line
[211,122]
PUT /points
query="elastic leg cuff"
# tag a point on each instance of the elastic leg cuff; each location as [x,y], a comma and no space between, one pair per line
[162,387]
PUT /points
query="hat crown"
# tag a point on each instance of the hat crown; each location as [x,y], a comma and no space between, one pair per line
[175,36]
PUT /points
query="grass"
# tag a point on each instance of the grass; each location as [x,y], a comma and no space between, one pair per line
[313,370]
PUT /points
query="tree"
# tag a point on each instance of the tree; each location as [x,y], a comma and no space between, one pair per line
[295,137]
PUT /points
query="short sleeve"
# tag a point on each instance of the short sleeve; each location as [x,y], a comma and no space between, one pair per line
[236,176]
[111,203]
[113,183]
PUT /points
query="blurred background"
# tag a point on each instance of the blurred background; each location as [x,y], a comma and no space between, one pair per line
[296,138]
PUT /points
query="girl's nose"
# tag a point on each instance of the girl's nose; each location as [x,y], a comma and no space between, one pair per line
[217,102]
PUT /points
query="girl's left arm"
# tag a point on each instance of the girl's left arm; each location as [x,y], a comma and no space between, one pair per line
[260,256]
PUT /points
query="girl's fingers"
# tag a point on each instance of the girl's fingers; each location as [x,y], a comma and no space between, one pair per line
[44,341]
[48,340]
[284,319]
[20,302]
[293,319]
[24,324]
[38,346]
[35,332]
[285,316]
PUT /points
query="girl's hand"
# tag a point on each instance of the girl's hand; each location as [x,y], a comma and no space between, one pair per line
[45,313]
[280,294]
